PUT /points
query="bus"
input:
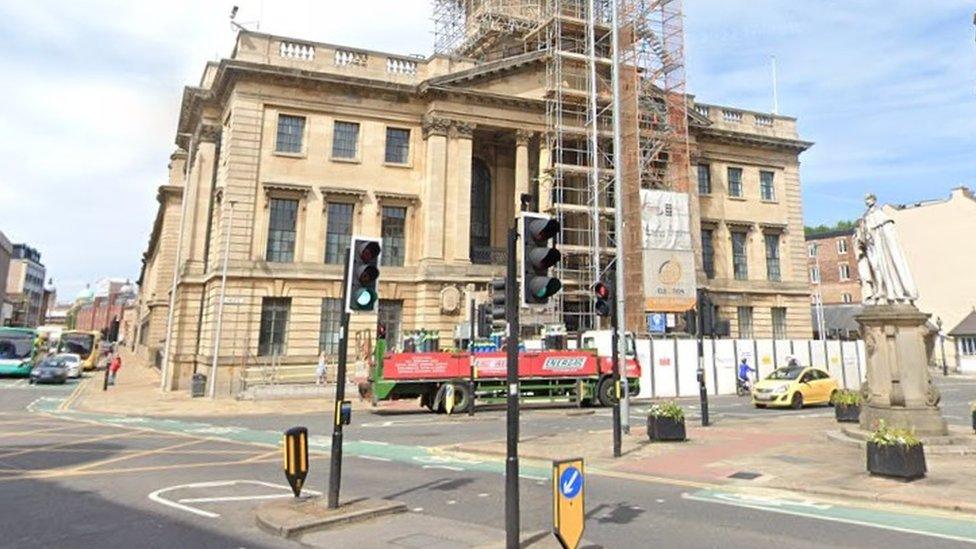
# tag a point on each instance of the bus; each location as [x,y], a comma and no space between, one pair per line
[17,349]
[83,344]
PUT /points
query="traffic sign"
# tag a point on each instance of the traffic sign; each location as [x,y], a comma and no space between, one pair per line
[568,502]
[657,323]
[296,458]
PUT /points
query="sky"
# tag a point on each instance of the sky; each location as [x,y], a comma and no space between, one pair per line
[885,88]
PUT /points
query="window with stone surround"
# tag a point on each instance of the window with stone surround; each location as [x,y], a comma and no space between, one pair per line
[708,252]
[841,245]
[394,230]
[767,189]
[740,263]
[291,129]
[815,275]
[779,322]
[704,179]
[390,315]
[844,271]
[329,326]
[338,231]
[735,182]
[281,230]
[847,298]
[772,257]
[744,316]
[397,146]
[272,336]
[345,140]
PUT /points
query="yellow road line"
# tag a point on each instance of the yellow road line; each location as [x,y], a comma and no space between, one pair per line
[37,431]
[66,403]
[142,453]
[46,473]
[261,457]
[61,445]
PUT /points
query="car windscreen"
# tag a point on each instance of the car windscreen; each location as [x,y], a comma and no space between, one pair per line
[786,373]
[16,346]
[79,344]
[51,363]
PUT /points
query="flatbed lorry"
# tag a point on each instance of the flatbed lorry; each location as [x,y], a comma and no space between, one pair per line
[581,376]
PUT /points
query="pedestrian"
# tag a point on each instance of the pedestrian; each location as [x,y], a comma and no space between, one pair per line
[113,368]
[320,371]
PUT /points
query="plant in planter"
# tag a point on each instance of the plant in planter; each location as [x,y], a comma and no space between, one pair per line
[847,406]
[895,453]
[666,421]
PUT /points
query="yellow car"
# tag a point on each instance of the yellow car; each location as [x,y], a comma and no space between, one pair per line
[794,386]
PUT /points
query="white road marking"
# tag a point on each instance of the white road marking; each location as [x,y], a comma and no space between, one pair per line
[376,442]
[374,458]
[157,497]
[448,467]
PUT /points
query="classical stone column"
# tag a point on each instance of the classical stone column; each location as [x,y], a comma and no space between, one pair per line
[522,138]
[458,234]
[434,192]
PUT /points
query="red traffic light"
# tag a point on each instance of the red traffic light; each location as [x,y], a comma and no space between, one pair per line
[601,290]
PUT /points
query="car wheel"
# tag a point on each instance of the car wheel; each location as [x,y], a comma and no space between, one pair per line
[797,401]
[760,406]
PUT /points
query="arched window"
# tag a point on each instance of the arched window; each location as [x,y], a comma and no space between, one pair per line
[480,211]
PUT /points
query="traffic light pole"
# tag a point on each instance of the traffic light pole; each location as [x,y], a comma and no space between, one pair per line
[615,356]
[511,342]
[702,389]
[335,462]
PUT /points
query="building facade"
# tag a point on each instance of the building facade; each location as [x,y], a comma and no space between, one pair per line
[25,287]
[289,147]
[6,253]
[104,311]
[832,265]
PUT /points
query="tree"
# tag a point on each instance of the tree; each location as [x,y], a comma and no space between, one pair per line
[821,229]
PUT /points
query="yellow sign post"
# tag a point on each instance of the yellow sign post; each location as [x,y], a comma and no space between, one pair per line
[296,458]
[568,502]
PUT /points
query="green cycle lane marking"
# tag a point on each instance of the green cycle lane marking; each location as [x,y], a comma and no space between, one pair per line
[911,523]
[427,458]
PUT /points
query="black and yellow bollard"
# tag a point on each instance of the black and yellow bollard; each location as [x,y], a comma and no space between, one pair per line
[296,458]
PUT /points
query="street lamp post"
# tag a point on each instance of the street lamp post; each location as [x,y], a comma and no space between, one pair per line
[945,365]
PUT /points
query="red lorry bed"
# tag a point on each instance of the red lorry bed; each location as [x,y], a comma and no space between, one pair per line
[541,364]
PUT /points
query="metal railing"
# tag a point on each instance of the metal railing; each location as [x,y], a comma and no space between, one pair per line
[485,255]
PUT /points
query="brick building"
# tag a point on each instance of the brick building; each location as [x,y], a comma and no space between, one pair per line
[832,266]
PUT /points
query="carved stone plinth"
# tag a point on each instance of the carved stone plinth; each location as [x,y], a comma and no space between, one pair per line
[899,389]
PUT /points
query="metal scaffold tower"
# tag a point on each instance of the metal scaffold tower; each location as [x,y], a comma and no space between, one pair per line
[579,177]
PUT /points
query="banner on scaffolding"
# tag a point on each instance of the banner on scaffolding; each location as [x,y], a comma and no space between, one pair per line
[669,259]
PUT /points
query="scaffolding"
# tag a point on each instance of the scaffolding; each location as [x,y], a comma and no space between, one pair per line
[580,172]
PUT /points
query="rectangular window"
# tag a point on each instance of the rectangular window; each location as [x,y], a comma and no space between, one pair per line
[812,250]
[704,179]
[735,182]
[345,140]
[772,257]
[397,145]
[329,326]
[338,231]
[394,236]
[744,315]
[290,131]
[779,322]
[815,275]
[844,271]
[740,265]
[274,325]
[846,298]
[967,345]
[390,315]
[766,188]
[842,245]
[281,230]
[708,253]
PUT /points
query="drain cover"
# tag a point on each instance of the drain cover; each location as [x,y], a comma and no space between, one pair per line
[745,475]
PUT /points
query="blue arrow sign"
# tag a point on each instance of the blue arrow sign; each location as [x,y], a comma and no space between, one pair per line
[570,482]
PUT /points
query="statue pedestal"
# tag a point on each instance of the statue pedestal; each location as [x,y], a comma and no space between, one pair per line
[899,389]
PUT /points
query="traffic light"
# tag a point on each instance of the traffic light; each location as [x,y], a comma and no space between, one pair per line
[484,321]
[603,303]
[498,301]
[364,274]
[537,257]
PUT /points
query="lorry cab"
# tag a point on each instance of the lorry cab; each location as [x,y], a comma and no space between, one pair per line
[601,341]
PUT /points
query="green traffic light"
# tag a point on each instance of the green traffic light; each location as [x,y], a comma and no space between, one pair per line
[364,298]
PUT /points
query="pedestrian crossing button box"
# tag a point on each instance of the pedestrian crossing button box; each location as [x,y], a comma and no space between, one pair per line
[345,412]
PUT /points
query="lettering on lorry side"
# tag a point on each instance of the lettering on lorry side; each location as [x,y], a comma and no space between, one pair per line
[491,366]
[564,364]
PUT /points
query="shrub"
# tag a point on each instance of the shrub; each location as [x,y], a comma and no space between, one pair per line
[847,397]
[887,436]
[669,410]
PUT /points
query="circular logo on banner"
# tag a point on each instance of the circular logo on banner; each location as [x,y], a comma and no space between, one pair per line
[570,482]
[669,273]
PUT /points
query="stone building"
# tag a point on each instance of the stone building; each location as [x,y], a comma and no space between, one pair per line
[832,264]
[288,147]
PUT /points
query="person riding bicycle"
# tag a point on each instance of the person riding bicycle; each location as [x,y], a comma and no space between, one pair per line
[743,374]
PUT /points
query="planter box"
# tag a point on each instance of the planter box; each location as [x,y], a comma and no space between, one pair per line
[665,428]
[894,460]
[847,413]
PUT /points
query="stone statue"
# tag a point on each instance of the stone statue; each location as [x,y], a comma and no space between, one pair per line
[885,276]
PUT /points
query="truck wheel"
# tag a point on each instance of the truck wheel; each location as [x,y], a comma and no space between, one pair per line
[606,393]
[462,397]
